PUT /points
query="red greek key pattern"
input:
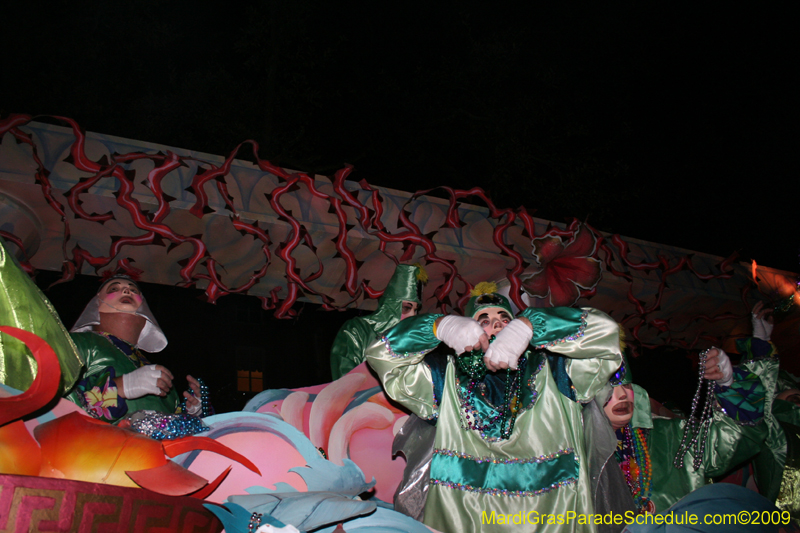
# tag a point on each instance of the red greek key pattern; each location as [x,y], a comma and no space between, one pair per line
[30,504]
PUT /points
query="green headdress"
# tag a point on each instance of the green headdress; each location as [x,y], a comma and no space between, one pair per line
[406,283]
[485,295]
[404,286]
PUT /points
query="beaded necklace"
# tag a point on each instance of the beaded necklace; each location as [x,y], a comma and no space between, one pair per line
[131,351]
[633,456]
[695,431]
[505,413]
[205,404]
[255,522]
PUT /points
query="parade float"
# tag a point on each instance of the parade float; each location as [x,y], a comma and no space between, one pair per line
[87,203]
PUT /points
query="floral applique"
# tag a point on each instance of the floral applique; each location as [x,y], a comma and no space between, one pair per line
[567,267]
[99,400]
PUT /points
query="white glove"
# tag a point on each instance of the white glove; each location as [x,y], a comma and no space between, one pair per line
[459,332]
[141,382]
[509,344]
[726,368]
[194,409]
[761,328]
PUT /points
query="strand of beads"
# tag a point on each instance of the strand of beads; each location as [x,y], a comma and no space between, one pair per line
[645,474]
[255,521]
[634,457]
[505,414]
[511,397]
[695,432]
[205,403]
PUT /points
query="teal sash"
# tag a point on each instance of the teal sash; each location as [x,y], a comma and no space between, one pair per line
[510,477]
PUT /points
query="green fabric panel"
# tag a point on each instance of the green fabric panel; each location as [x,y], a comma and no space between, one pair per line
[642,415]
[786,412]
[349,346]
[23,305]
[769,463]
[515,476]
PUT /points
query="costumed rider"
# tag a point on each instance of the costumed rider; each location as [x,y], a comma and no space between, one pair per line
[118,380]
[509,433]
[777,466]
[642,463]
[401,299]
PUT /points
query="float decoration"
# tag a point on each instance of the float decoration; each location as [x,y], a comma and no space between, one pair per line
[226,225]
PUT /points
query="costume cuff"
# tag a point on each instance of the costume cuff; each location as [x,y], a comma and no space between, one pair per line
[414,334]
[743,401]
[753,349]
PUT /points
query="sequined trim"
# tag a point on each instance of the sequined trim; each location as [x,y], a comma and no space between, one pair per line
[402,355]
[532,385]
[435,413]
[574,336]
[504,461]
[619,375]
[504,492]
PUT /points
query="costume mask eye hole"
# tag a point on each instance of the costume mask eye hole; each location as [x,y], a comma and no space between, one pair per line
[488,299]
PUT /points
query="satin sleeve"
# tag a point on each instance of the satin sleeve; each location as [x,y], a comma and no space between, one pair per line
[588,337]
[733,438]
[760,358]
[397,359]
[347,351]
[730,444]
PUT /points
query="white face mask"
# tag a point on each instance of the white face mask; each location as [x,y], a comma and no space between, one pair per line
[119,296]
[493,319]
[619,408]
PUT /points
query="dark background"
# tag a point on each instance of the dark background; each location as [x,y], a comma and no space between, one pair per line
[670,123]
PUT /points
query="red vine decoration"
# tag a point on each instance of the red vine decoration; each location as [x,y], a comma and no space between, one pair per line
[334,241]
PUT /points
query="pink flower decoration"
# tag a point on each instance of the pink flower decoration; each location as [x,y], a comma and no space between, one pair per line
[565,269]
[99,400]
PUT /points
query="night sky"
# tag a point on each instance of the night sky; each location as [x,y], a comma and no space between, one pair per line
[673,124]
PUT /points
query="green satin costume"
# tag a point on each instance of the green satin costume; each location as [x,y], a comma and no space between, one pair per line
[355,335]
[23,305]
[777,467]
[729,443]
[541,466]
[99,354]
